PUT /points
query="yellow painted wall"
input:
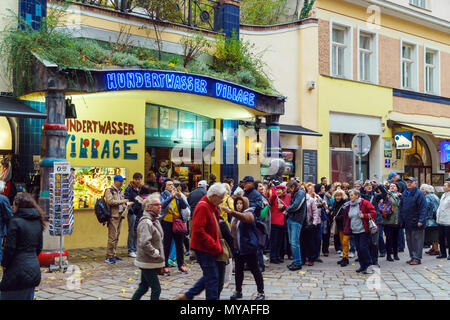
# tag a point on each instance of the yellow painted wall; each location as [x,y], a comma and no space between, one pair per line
[348,97]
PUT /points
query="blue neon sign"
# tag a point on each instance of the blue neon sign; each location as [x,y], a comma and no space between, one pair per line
[174,81]
[445,151]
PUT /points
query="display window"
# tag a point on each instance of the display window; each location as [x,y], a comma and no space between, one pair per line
[91,183]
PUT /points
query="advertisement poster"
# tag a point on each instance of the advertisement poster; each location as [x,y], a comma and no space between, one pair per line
[91,182]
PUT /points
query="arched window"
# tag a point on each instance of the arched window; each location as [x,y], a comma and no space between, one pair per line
[419,155]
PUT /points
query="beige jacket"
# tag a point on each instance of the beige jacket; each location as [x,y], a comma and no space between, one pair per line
[113,202]
[150,250]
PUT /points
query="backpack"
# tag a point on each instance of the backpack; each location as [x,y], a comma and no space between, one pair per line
[261,234]
[101,210]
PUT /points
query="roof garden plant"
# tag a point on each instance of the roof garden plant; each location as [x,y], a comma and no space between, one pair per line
[230,59]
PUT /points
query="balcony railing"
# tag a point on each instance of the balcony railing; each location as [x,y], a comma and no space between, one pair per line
[193,13]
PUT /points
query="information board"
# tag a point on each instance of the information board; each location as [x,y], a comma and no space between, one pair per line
[310,166]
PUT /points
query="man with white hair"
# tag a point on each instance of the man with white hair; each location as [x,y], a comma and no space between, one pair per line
[206,243]
[6,213]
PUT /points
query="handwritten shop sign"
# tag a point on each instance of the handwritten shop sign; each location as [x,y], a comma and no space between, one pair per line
[173,81]
[102,146]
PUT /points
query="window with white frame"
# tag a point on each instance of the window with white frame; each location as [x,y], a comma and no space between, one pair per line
[367,57]
[431,71]
[409,66]
[419,3]
[341,51]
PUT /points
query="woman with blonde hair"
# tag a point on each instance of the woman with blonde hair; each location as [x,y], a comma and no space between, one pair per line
[337,214]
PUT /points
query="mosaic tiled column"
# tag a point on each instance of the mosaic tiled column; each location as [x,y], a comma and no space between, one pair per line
[54,134]
[32,12]
[227,17]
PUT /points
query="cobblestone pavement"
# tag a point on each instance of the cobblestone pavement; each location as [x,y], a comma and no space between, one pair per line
[327,280]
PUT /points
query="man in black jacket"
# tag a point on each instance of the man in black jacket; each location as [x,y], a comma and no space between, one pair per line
[195,196]
[131,192]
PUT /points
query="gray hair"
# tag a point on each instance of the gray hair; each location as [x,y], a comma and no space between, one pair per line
[2,185]
[427,188]
[150,199]
[356,192]
[358,182]
[217,189]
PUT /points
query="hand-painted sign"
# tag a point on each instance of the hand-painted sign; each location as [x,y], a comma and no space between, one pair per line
[403,140]
[180,82]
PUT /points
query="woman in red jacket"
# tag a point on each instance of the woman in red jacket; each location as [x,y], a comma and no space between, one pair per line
[356,222]
[279,201]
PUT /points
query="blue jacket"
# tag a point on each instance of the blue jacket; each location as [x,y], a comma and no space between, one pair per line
[255,201]
[297,210]
[432,206]
[413,209]
[6,214]
[246,236]
[166,199]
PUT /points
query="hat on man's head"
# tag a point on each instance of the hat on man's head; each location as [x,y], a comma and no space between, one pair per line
[202,183]
[411,179]
[391,175]
[280,186]
[118,178]
[248,179]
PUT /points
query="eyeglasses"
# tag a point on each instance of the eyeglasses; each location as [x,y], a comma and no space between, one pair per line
[156,204]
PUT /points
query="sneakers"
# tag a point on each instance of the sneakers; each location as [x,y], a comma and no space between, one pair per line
[310,263]
[351,254]
[260,296]
[294,267]
[182,269]
[132,254]
[172,263]
[339,252]
[236,296]
[117,258]
[166,272]
[441,256]
[110,260]
[366,272]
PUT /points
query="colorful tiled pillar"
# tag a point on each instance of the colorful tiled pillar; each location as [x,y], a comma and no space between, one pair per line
[227,17]
[32,12]
[274,165]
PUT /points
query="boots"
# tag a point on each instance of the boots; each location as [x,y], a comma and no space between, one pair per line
[396,256]
[344,262]
[389,258]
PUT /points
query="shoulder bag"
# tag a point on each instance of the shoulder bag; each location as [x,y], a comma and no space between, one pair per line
[226,255]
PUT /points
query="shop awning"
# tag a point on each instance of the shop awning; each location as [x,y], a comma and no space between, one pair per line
[10,107]
[436,126]
[299,130]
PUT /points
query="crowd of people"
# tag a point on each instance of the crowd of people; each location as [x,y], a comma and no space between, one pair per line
[229,228]
[222,223]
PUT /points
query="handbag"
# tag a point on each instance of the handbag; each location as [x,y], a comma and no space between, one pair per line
[372,226]
[309,225]
[226,254]
[179,226]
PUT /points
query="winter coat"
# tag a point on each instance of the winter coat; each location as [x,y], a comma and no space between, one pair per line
[150,250]
[131,192]
[23,245]
[277,216]
[297,210]
[443,212]
[246,236]
[5,214]
[393,219]
[255,200]
[413,209]
[337,212]
[432,206]
[365,208]
[138,208]
[204,234]
[195,196]
[312,212]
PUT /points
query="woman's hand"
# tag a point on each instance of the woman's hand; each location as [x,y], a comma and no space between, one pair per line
[361,215]
[225,209]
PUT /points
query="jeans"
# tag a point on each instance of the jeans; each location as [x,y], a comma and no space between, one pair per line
[210,279]
[381,243]
[252,262]
[294,229]
[149,279]
[132,238]
[221,273]
[318,240]
[25,294]
[286,247]
[167,242]
[362,242]
[392,235]
[415,239]
[401,239]
[352,244]
[276,242]
[444,234]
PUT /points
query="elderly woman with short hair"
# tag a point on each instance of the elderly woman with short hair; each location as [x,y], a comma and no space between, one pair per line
[431,227]
[356,221]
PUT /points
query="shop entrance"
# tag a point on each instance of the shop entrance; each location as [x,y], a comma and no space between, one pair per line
[175,142]
[418,162]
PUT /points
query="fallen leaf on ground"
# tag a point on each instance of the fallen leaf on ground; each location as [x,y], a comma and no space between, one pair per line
[52,278]
[83,257]
[301,272]
[123,290]
[99,298]
[130,279]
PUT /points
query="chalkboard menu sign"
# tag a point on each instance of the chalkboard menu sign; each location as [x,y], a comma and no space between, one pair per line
[310,166]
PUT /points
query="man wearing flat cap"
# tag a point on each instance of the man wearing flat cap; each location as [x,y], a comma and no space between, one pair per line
[413,214]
